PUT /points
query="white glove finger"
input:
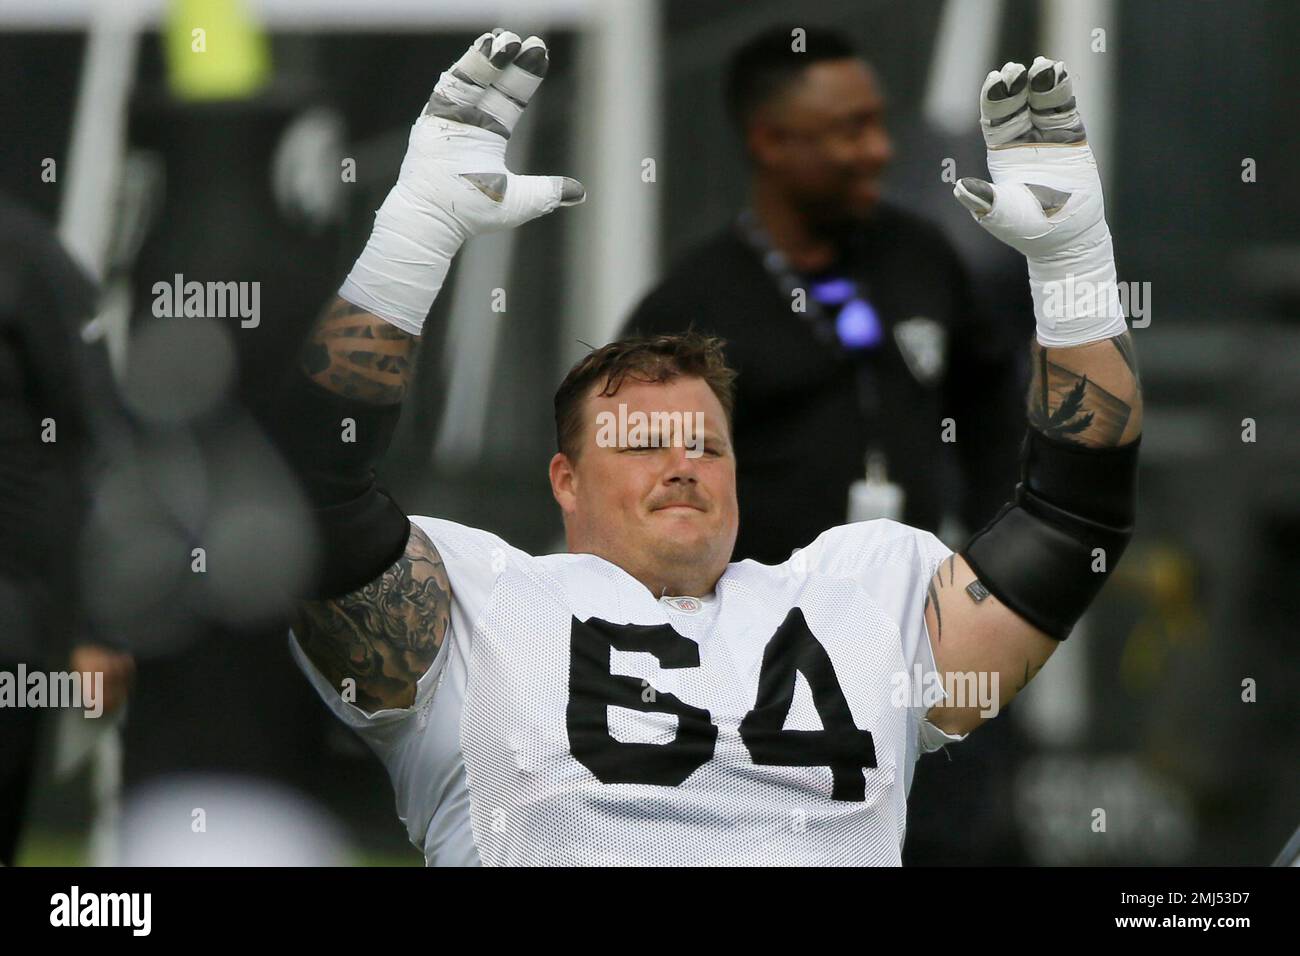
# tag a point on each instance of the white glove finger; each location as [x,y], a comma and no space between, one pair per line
[975,194]
[527,197]
[1014,215]
[510,92]
[496,185]
[1017,216]
[1052,107]
[460,91]
[1004,106]
[464,83]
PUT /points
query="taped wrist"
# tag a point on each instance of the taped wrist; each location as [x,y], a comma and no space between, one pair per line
[361,530]
[406,260]
[1039,555]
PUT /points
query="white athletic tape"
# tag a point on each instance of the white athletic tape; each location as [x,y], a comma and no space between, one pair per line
[496,104]
[430,213]
[458,91]
[519,84]
[476,65]
[1071,257]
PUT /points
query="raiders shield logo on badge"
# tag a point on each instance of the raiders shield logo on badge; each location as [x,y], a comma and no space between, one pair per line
[922,343]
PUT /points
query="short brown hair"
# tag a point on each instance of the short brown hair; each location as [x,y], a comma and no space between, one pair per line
[644,358]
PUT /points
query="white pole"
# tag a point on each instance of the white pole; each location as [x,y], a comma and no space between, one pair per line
[615,241]
[963,56]
[1082,33]
[106,794]
[93,168]
[87,216]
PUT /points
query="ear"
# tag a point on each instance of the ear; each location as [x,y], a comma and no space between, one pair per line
[766,144]
[564,483]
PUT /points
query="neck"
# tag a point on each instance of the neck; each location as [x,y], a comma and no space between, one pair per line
[679,582]
[789,228]
[664,587]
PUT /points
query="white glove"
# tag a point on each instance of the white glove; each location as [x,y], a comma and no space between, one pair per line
[454,183]
[1045,201]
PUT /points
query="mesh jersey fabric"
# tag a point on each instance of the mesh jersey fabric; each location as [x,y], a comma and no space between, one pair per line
[523,745]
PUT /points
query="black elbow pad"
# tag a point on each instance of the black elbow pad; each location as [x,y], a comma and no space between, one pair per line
[1039,556]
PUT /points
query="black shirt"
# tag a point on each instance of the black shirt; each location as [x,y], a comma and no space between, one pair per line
[801,428]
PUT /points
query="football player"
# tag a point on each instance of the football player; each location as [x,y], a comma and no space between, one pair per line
[640,700]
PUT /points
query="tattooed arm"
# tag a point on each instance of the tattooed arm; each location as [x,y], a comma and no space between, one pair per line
[453,185]
[1088,394]
[359,355]
[1045,201]
[385,635]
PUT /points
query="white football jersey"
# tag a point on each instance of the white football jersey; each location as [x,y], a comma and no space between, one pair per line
[572,718]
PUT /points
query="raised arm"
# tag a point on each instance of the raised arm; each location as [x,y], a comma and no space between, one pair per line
[1006,601]
[379,609]
[386,634]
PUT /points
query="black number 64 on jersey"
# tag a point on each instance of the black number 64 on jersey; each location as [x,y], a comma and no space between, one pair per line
[839,745]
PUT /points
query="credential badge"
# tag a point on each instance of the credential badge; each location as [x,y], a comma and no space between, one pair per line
[923,344]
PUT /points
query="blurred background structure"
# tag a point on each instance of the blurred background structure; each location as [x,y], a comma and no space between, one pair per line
[261,158]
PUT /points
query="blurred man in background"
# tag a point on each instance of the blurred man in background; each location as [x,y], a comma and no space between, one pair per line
[850,320]
[48,380]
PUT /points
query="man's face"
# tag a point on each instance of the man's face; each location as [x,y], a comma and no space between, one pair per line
[649,491]
[824,138]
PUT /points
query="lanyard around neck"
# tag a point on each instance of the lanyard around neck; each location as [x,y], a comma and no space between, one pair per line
[846,334]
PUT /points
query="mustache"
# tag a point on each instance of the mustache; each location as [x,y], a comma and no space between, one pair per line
[691,499]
